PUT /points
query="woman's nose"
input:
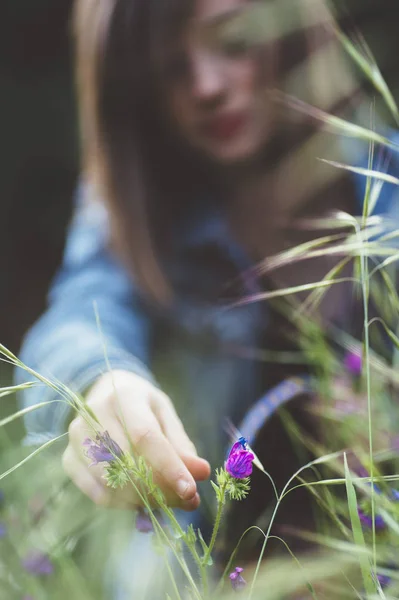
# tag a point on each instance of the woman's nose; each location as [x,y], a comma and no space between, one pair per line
[208,78]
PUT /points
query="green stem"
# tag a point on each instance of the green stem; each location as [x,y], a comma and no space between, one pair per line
[162,534]
[193,550]
[273,516]
[365,294]
[172,579]
[204,579]
[216,525]
[191,547]
[267,535]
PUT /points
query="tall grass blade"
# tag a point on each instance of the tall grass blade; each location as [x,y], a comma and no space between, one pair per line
[32,455]
[357,531]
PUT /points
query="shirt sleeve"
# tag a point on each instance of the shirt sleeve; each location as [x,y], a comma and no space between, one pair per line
[67,343]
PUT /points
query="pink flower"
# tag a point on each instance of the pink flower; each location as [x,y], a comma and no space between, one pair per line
[239,461]
[237,580]
[353,362]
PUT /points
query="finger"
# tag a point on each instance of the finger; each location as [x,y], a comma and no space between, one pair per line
[150,442]
[190,505]
[172,426]
[199,468]
[174,430]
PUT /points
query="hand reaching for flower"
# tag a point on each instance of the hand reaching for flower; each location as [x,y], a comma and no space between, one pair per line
[138,418]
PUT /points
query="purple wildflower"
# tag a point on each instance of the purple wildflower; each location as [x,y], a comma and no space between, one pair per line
[37,563]
[395,495]
[143,522]
[104,449]
[3,529]
[239,460]
[368,522]
[240,445]
[384,580]
[237,580]
[353,362]
[362,472]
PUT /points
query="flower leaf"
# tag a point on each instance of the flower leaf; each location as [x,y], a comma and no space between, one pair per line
[190,536]
[217,490]
[238,489]
[116,475]
[205,548]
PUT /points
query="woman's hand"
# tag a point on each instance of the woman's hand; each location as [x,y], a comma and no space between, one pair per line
[131,408]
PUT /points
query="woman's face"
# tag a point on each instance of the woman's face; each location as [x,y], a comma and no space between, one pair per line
[215,80]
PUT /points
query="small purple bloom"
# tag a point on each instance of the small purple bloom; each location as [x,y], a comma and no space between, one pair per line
[353,362]
[362,472]
[368,522]
[395,495]
[239,461]
[104,449]
[237,580]
[3,530]
[143,522]
[384,580]
[37,563]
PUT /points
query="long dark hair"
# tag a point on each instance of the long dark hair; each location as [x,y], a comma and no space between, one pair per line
[140,170]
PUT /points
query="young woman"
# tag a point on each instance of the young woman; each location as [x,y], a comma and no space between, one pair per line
[193,173]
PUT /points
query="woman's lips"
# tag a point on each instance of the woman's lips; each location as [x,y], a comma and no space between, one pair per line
[225,126]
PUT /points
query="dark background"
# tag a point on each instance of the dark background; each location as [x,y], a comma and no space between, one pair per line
[39,156]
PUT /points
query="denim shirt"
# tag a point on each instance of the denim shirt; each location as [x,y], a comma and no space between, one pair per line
[66,344]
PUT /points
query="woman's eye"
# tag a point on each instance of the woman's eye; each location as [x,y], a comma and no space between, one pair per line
[235,46]
[234,39]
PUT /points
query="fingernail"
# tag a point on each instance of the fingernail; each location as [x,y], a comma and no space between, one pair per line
[193,503]
[182,488]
